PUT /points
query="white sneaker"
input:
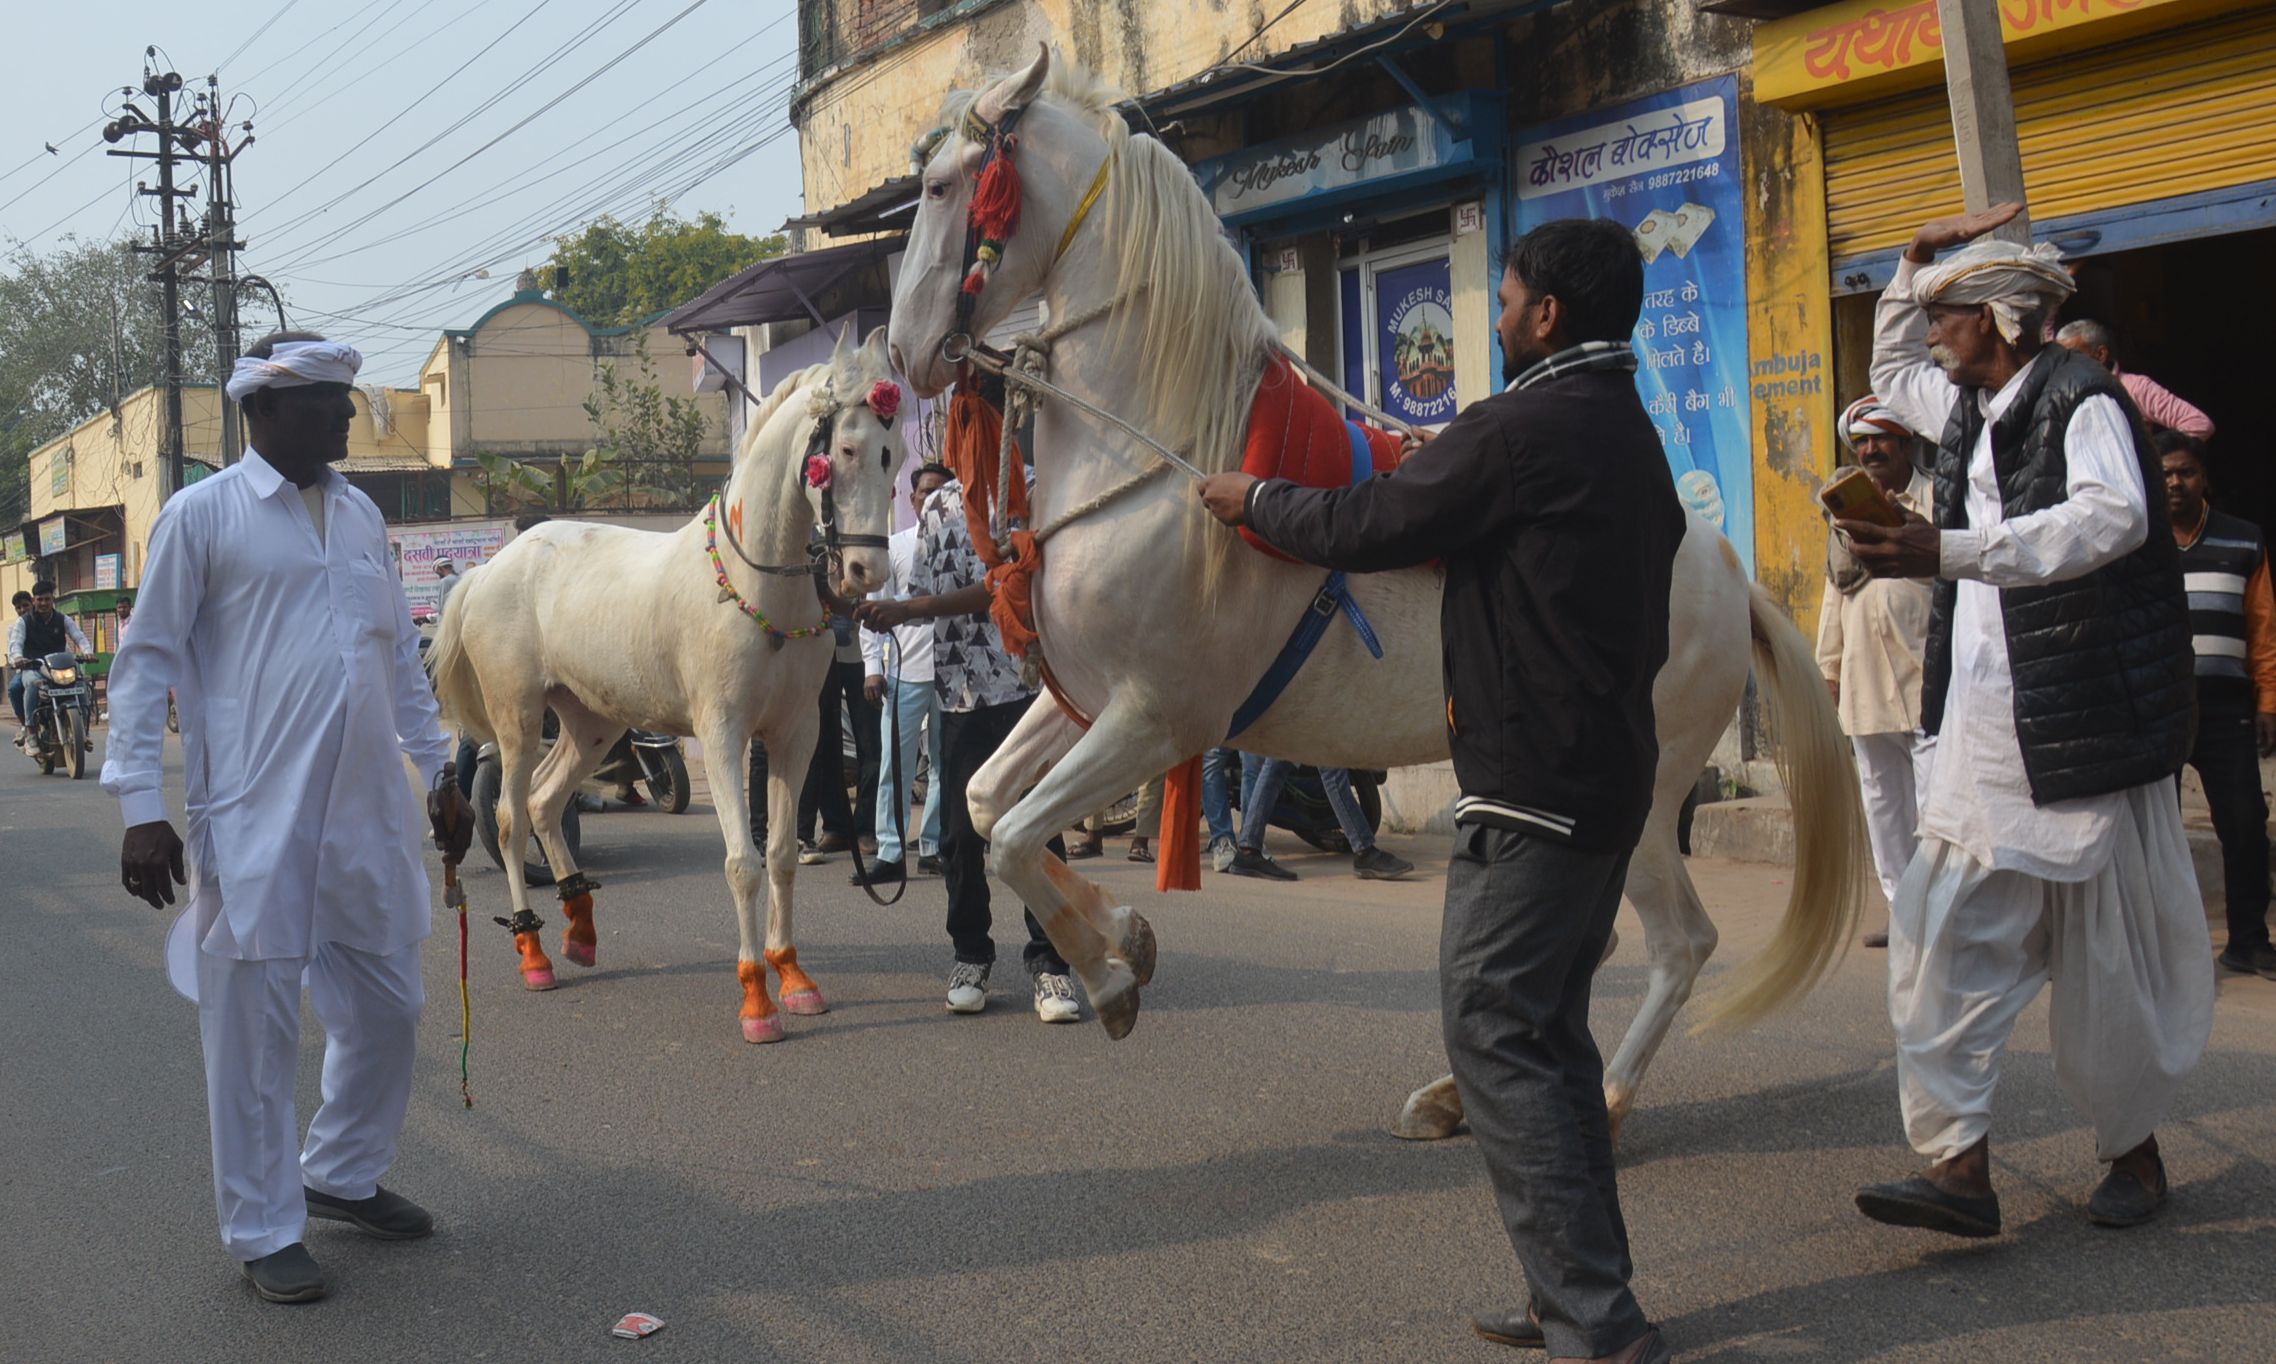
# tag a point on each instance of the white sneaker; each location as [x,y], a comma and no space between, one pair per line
[1221,854]
[968,988]
[1055,998]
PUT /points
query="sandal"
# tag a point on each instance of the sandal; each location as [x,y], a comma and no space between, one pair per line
[1141,854]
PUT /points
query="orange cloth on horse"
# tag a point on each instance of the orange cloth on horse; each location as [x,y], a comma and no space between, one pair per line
[1297,434]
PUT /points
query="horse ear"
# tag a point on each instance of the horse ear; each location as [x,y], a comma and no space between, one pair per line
[845,347]
[1018,90]
[873,349]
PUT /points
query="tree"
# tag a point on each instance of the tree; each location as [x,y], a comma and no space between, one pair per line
[620,274]
[79,330]
[645,446]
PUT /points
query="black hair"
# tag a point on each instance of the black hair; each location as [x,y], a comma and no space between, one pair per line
[2167,441]
[1591,266]
[20,599]
[45,587]
[931,467]
[528,519]
[126,599]
[266,347]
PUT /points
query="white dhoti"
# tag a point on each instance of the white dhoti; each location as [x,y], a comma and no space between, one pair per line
[1889,778]
[249,1020]
[2126,949]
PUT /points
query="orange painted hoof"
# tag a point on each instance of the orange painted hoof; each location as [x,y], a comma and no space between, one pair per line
[762,1030]
[800,995]
[537,970]
[579,942]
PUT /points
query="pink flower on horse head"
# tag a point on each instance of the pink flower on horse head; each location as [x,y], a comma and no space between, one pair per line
[885,399]
[818,471]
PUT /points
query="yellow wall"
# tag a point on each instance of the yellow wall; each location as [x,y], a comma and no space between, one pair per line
[856,123]
[517,386]
[1790,342]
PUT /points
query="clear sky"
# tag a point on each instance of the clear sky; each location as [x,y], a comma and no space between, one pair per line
[387,166]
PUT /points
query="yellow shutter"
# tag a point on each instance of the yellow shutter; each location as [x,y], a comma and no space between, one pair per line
[2175,114]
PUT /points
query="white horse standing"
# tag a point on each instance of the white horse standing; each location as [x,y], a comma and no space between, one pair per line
[611,627]
[1158,624]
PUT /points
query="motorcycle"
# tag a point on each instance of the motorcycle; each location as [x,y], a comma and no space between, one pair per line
[59,723]
[638,758]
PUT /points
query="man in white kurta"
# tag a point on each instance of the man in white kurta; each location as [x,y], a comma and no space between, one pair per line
[2095,893]
[270,608]
[898,681]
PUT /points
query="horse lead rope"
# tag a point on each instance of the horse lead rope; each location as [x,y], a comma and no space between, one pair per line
[454,897]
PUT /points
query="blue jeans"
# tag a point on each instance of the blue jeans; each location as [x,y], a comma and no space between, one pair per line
[1260,795]
[919,705]
[16,694]
[1216,798]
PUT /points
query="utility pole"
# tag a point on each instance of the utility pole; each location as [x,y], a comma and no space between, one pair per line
[169,246]
[1983,111]
[221,239]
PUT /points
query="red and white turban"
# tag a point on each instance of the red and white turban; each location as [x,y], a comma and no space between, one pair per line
[1869,416]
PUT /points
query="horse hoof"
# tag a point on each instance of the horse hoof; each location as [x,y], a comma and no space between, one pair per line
[1117,1012]
[762,1029]
[1138,948]
[1428,1114]
[804,1002]
[537,980]
[582,953]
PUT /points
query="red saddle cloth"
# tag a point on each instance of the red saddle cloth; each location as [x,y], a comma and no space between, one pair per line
[1297,434]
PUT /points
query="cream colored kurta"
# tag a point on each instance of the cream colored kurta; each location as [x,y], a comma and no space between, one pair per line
[1870,641]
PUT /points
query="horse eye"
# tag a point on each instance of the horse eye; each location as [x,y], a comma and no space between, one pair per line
[936,189]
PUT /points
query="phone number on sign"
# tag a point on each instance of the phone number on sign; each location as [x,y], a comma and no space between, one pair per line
[1677,177]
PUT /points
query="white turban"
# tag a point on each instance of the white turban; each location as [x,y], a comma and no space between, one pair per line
[2011,279]
[293,364]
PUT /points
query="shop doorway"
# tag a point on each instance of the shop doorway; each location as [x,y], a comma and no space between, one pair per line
[2182,314]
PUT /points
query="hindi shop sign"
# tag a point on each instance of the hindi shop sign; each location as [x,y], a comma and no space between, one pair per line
[1862,48]
[55,536]
[1318,163]
[417,548]
[106,573]
[1667,168]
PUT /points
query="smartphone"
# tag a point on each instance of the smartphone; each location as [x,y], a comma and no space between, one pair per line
[1854,496]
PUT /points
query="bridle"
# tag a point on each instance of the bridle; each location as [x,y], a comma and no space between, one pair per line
[827,559]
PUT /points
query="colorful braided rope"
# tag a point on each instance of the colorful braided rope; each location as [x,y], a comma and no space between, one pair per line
[719,569]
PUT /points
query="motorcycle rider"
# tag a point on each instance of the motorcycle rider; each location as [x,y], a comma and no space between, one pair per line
[22,601]
[40,632]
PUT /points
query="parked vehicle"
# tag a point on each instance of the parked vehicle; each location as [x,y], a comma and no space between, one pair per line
[60,722]
[640,758]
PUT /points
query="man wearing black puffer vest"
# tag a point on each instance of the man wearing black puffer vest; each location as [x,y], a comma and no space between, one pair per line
[1553,509]
[2059,681]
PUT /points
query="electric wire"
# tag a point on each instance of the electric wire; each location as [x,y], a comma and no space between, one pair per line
[282,10]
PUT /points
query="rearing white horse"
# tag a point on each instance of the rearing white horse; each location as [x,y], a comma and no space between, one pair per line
[611,627]
[1156,622]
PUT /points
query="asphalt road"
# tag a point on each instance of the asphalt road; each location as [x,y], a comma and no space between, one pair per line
[896,1184]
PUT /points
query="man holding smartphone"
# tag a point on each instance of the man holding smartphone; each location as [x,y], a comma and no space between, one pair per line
[1871,633]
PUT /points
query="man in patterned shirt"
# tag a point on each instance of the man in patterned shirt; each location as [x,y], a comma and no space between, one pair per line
[981,698]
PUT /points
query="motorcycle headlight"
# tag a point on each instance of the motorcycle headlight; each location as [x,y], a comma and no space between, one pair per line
[62,675]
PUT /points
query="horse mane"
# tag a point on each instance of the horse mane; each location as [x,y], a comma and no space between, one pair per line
[792,384]
[1198,327]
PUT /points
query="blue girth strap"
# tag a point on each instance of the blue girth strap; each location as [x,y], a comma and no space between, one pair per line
[1332,599]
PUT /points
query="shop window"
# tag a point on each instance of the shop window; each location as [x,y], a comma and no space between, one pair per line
[1396,330]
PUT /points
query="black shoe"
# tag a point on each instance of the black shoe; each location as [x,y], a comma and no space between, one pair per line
[389,1216]
[1256,864]
[2249,961]
[288,1275]
[1916,1202]
[2123,1200]
[929,866]
[1512,1326]
[1378,865]
[882,874]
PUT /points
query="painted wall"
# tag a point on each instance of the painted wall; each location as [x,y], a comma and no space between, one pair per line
[858,118]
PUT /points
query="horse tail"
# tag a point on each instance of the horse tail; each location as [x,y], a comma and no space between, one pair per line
[457,686]
[1820,775]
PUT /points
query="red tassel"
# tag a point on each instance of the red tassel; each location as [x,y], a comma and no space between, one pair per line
[995,202]
[975,282]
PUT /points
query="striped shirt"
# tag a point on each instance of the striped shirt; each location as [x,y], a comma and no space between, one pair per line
[2231,614]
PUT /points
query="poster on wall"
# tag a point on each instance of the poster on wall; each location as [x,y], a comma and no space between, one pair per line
[54,536]
[1667,168]
[106,573]
[1414,341]
[417,548]
[14,546]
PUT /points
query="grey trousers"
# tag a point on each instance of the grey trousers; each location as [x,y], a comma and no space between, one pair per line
[1527,919]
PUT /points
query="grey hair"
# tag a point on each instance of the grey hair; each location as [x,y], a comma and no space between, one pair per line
[2089,333]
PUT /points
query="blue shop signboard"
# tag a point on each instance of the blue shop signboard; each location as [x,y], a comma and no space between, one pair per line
[1363,159]
[1667,168]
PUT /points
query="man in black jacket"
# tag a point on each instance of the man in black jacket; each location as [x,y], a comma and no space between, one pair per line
[1553,509]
